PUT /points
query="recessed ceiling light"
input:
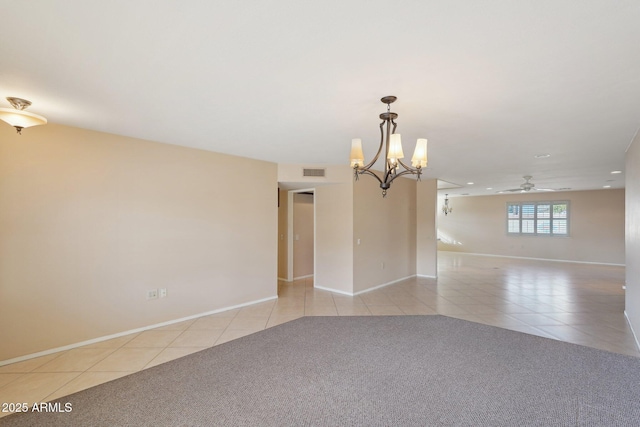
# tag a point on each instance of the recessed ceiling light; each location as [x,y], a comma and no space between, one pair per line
[542,156]
[615,172]
[470,183]
[489,188]
[606,186]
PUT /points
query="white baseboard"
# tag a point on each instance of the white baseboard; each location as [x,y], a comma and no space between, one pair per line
[353,294]
[635,337]
[537,259]
[383,285]
[132,331]
[295,278]
[424,276]
[337,291]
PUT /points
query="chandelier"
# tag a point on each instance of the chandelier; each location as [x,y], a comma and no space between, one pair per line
[393,152]
[18,117]
[446,209]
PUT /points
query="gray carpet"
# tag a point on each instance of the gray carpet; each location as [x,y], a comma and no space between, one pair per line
[369,371]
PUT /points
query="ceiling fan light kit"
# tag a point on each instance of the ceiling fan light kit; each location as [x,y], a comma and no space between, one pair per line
[526,186]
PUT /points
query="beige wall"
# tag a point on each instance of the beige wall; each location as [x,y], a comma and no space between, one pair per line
[478,225]
[302,235]
[90,221]
[386,228]
[426,238]
[632,296]
[291,175]
[334,237]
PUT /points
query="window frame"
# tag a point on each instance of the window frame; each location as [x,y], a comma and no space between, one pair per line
[535,218]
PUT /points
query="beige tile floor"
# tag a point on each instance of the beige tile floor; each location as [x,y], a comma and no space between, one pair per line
[578,303]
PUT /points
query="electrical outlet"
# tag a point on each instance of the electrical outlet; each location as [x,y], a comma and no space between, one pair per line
[152,294]
[163,292]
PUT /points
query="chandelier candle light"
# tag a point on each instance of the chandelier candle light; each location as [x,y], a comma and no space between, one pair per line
[393,152]
[18,117]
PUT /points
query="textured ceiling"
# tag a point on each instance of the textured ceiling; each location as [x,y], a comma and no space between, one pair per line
[491,84]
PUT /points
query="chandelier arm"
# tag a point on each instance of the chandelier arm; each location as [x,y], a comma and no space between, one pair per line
[407,172]
[377,156]
[409,168]
[389,168]
[397,175]
[382,137]
[390,171]
[368,172]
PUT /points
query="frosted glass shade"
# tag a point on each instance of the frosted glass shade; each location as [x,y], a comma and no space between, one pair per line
[395,147]
[357,157]
[420,154]
[21,118]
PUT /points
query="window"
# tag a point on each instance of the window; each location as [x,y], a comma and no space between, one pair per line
[538,218]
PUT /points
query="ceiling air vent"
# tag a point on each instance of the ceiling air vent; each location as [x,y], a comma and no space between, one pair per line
[313,172]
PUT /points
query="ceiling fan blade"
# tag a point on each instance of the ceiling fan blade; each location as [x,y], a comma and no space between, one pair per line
[544,189]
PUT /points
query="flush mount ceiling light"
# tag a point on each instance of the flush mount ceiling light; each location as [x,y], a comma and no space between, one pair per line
[393,152]
[18,117]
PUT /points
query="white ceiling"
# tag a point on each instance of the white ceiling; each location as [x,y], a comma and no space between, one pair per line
[491,84]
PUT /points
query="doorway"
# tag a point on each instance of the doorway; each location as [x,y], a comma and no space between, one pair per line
[302,236]
[297,241]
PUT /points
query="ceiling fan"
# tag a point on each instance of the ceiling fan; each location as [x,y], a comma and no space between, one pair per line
[527,186]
